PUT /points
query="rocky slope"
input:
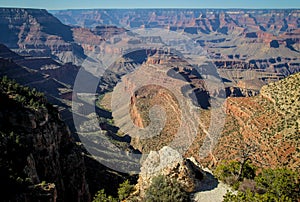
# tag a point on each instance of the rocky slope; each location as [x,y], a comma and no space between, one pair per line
[26,76]
[237,40]
[265,127]
[249,48]
[242,77]
[90,39]
[240,42]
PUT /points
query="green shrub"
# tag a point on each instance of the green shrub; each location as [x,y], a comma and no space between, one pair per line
[228,172]
[125,189]
[102,197]
[254,197]
[278,185]
[25,96]
[165,190]
[280,182]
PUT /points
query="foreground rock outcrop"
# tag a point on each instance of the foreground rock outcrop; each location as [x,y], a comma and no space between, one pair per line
[170,163]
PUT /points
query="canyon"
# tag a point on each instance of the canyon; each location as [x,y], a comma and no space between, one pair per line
[232,87]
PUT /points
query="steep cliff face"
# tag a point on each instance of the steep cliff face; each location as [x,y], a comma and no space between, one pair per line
[35,32]
[37,73]
[39,159]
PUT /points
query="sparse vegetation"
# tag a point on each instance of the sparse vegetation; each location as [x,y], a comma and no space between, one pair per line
[14,147]
[124,191]
[272,127]
[164,189]
[285,95]
[278,184]
[102,197]
[29,98]
[229,172]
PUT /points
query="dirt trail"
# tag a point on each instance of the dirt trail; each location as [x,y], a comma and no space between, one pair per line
[210,190]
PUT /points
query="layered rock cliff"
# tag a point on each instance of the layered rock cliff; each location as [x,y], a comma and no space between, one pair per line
[194,20]
[257,45]
[35,32]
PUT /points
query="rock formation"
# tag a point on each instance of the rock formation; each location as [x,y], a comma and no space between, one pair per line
[249,48]
[194,20]
[170,163]
[263,42]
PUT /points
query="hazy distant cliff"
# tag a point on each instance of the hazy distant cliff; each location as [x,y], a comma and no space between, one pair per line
[194,20]
[35,32]
[265,42]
